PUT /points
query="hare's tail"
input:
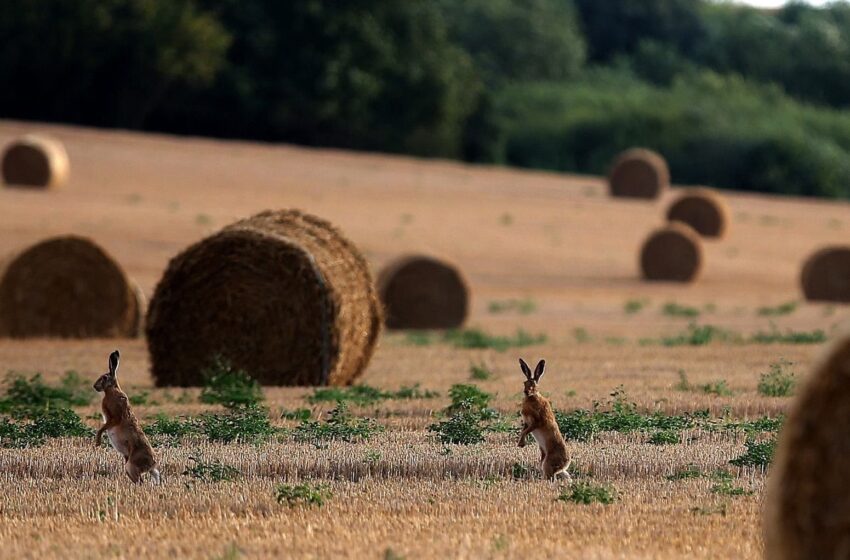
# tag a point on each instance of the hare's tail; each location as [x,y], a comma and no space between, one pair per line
[155,476]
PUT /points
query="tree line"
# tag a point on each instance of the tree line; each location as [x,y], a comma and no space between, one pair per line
[733,96]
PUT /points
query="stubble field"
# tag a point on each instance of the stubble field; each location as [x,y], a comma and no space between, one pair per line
[546,253]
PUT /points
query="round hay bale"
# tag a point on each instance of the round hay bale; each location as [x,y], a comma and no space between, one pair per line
[702,209]
[672,253]
[420,292]
[826,275]
[67,287]
[638,173]
[281,295]
[36,161]
[807,510]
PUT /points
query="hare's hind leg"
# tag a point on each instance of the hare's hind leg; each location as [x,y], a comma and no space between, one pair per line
[133,472]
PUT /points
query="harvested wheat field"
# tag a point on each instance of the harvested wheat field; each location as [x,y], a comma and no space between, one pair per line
[669,395]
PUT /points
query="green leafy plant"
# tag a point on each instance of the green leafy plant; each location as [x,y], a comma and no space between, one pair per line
[691,471]
[672,309]
[297,414]
[303,494]
[33,392]
[775,336]
[699,335]
[522,306]
[468,395]
[244,424]
[581,335]
[664,437]
[718,388]
[414,392]
[340,425]
[757,454]
[480,372]
[32,426]
[476,338]
[209,471]
[225,385]
[360,395]
[164,425]
[782,309]
[587,493]
[779,381]
[633,306]
[465,426]
[419,338]
[520,471]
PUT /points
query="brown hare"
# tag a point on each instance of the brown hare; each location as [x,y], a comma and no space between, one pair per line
[122,427]
[539,421]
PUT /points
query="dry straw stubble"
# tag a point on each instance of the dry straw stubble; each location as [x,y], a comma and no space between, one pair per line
[672,253]
[36,161]
[67,287]
[282,295]
[808,502]
[639,173]
[421,292]
[703,209]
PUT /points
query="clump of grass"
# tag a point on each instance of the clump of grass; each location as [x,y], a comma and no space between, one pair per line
[757,454]
[171,427]
[719,388]
[587,493]
[683,384]
[361,395]
[524,306]
[303,494]
[691,471]
[581,335]
[779,381]
[782,309]
[520,471]
[664,437]
[365,395]
[775,336]
[476,338]
[225,385]
[33,392]
[297,414]
[340,425]
[419,338]
[724,486]
[480,372]
[633,306]
[209,471]
[673,309]
[140,398]
[699,335]
[245,424]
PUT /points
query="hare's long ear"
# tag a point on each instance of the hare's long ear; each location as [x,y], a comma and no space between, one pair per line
[113,363]
[525,369]
[538,371]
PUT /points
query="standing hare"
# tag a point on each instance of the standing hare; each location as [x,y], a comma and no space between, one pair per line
[122,427]
[539,421]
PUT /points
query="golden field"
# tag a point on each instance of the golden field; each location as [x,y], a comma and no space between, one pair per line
[556,240]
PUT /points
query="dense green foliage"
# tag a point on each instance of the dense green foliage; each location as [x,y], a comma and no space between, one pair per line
[731,95]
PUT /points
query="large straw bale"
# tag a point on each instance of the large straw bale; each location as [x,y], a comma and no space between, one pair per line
[67,287]
[421,292]
[35,161]
[282,295]
[638,173]
[672,253]
[807,511]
